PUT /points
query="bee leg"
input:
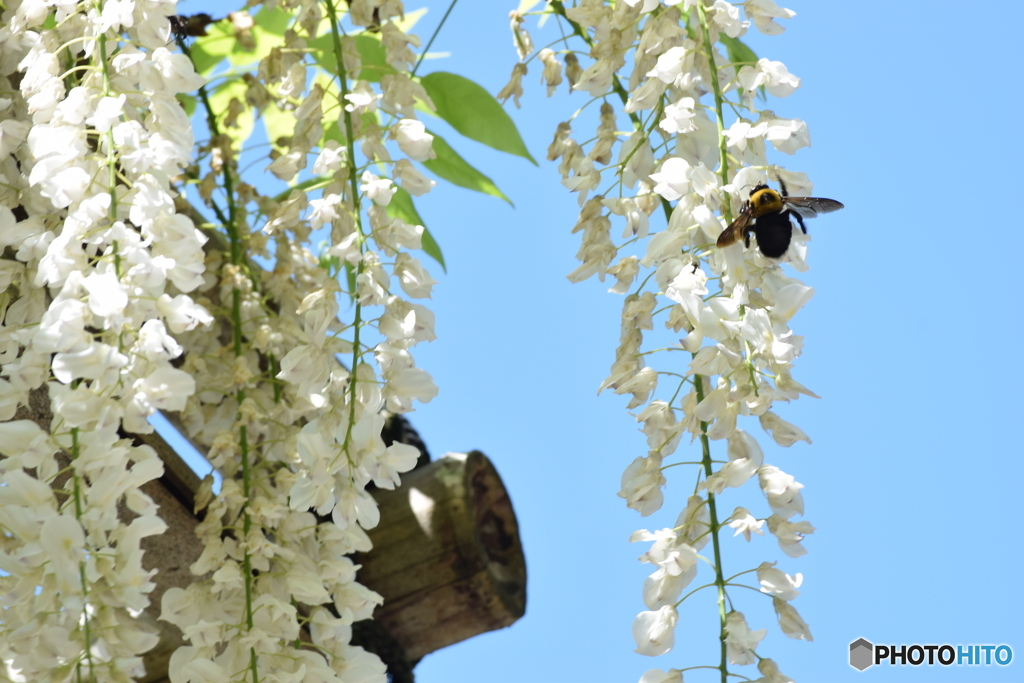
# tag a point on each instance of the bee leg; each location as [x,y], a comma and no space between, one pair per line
[800,220]
[782,186]
[746,239]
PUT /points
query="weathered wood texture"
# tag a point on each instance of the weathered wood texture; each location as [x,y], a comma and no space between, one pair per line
[447,556]
[171,553]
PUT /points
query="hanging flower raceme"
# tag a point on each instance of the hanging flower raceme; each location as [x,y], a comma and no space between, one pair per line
[290,392]
[662,66]
[98,286]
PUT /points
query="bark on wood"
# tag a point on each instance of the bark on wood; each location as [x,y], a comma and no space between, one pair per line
[447,556]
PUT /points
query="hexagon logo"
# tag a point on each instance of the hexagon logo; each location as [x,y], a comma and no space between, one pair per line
[861,654]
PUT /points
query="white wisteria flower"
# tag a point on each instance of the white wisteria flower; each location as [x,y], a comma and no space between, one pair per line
[413,139]
[778,583]
[790,621]
[741,642]
[378,190]
[641,485]
[659,676]
[654,631]
[745,523]
[698,161]
[770,672]
[764,12]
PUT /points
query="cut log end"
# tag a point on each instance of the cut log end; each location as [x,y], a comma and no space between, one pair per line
[447,555]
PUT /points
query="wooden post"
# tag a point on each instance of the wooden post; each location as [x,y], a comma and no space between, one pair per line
[446,555]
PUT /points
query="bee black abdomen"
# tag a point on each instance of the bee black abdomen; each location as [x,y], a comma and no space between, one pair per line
[774,233]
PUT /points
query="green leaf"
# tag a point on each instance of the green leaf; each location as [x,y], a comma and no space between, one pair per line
[332,264]
[402,208]
[278,124]
[371,54]
[456,170]
[233,88]
[350,279]
[274,21]
[267,34]
[333,132]
[474,112]
[374,58]
[220,41]
[737,50]
[740,55]
[432,249]
[188,103]
[210,50]
[332,129]
[322,51]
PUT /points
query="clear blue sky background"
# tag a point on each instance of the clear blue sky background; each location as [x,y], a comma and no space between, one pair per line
[911,340]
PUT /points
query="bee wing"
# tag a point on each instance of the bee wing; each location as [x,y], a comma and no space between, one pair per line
[737,230]
[809,207]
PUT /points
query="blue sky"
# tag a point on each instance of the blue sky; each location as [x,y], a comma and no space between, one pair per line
[911,340]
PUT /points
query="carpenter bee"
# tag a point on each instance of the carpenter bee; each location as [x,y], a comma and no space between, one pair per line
[768,215]
[190,26]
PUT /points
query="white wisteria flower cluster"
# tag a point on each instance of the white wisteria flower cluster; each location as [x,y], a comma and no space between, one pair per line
[682,132]
[115,305]
[297,429]
[96,276]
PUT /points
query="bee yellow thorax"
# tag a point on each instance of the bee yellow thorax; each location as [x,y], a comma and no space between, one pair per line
[765,201]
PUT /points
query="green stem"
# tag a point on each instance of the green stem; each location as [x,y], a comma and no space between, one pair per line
[243,444]
[431,41]
[111,160]
[723,145]
[76,480]
[750,363]
[86,622]
[238,262]
[111,155]
[698,383]
[274,381]
[723,171]
[357,210]
[559,8]
[578,30]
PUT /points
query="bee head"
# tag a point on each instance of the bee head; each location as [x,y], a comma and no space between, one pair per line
[765,200]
